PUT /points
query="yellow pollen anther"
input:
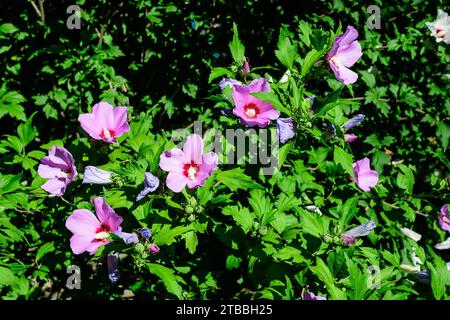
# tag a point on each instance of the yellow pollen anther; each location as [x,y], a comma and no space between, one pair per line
[101,235]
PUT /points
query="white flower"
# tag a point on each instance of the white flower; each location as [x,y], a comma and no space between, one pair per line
[94,175]
[440,28]
[411,234]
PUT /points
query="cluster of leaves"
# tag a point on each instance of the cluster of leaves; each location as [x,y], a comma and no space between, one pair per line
[242,235]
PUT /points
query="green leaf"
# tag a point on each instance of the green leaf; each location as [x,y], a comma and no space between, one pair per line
[191,241]
[7,277]
[43,250]
[168,277]
[344,158]
[311,58]
[405,180]
[236,47]
[26,132]
[167,235]
[218,72]
[232,262]
[236,179]
[313,223]
[8,28]
[324,274]
[286,52]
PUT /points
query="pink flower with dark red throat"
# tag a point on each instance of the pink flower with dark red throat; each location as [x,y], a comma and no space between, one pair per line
[251,110]
[365,178]
[90,232]
[344,54]
[59,170]
[188,166]
[105,122]
[444,218]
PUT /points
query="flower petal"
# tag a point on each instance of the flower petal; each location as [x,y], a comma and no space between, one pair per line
[176,181]
[106,215]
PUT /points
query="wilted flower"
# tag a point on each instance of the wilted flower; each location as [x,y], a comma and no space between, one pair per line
[90,231]
[440,28]
[330,131]
[188,166]
[94,175]
[349,237]
[59,170]
[350,137]
[105,122]
[154,249]
[228,82]
[286,129]
[128,237]
[344,54]
[226,112]
[353,122]
[112,261]
[443,245]
[365,178]
[250,109]
[151,183]
[444,218]
[146,233]
[312,296]
[411,234]
[245,67]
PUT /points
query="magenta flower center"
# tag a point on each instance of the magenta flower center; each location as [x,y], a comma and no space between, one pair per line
[440,33]
[102,232]
[108,134]
[251,110]
[190,171]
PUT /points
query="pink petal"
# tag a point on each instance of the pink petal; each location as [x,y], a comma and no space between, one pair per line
[346,75]
[83,222]
[90,125]
[172,160]
[48,172]
[104,115]
[348,55]
[241,97]
[270,114]
[79,243]
[120,125]
[367,180]
[176,181]
[56,187]
[106,215]
[210,161]
[193,149]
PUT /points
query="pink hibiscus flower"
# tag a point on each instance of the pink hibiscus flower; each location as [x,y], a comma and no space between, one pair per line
[58,167]
[188,166]
[105,122]
[251,110]
[91,232]
[365,178]
[344,54]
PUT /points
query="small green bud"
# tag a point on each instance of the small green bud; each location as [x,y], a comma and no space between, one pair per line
[191,217]
[139,247]
[263,230]
[199,209]
[193,201]
[189,209]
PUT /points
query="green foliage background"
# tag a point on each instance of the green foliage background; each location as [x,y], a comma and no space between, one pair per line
[255,238]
